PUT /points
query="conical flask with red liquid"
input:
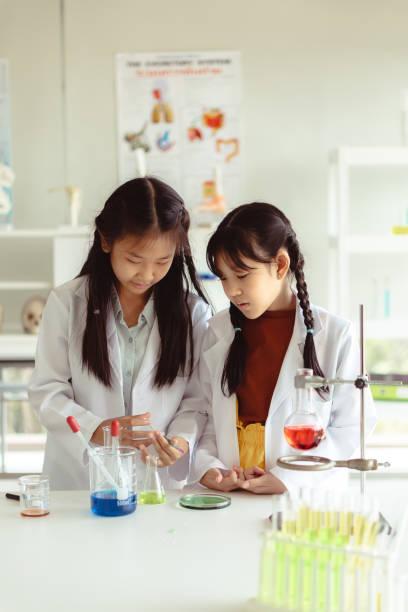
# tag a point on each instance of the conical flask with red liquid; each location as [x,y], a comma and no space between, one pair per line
[303,429]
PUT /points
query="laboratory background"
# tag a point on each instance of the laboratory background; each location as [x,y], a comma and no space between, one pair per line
[300,104]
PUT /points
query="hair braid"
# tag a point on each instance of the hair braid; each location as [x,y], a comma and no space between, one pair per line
[297,263]
[235,363]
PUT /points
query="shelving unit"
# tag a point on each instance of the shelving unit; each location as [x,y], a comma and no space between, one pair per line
[68,249]
[24,285]
[381,329]
[17,347]
[344,245]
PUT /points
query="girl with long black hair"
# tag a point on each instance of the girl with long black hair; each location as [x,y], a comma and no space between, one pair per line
[123,338]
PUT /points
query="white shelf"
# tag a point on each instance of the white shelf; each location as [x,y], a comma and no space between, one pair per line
[377,244]
[370,156]
[24,285]
[18,347]
[343,244]
[381,329]
[63,230]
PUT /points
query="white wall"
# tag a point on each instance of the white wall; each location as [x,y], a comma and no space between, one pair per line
[316,75]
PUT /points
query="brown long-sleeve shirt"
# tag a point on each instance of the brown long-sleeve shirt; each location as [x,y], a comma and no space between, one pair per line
[267,340]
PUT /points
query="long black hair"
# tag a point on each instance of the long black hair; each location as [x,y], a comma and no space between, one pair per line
[257,231]
[137,207]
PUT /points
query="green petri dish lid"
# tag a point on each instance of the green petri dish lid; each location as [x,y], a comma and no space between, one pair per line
[204,501]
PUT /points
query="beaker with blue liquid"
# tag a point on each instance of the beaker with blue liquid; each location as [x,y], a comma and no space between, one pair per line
[112,474]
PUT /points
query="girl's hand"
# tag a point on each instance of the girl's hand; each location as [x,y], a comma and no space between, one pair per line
[253,472]
[221,480]
[260,482]
[169,451]
[124,422]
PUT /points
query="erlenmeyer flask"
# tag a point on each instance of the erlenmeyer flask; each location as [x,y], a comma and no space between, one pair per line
[152,491]
[303,429]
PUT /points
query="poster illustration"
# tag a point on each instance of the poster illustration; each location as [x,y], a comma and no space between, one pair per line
[180,112]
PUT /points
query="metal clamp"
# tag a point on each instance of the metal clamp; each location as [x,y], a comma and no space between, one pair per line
[291,462]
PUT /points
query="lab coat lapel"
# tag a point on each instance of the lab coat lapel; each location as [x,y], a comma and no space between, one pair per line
[151,356]
[113,347]
[224,408]
[292,361]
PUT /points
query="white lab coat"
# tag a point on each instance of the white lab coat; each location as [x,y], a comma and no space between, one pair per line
[60,387]
[338,355]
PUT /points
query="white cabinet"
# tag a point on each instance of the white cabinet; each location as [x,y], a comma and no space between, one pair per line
[34,261]
[367,262]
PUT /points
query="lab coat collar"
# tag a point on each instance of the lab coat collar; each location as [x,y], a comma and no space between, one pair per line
[222,328]
[152,352]
[147,315]
[148,311]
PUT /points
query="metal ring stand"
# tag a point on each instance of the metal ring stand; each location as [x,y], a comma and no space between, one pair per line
[320,463]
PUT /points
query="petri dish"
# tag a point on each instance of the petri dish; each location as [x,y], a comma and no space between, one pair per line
[204,501]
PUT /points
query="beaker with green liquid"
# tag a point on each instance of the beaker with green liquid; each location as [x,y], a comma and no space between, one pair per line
[152,491]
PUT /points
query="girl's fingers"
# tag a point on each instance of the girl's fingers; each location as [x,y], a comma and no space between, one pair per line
[250,485]
[143,453]
[167,453]
[218,477]
[239,472]
[232,476]
[164,445]
[138,419]
[253,472]
[139,437]
[215,475]
[258,470]
[255,484]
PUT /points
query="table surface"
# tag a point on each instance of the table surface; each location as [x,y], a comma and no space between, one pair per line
[159,558]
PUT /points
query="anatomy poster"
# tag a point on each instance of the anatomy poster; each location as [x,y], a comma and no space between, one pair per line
[6,174]
[179,114]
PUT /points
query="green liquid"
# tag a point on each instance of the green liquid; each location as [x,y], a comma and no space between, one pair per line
[151,497]
[267,581]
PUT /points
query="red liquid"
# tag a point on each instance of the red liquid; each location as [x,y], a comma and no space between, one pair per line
[303,437]
[34,512]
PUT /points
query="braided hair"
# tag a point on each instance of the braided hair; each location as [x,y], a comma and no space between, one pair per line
[257,231]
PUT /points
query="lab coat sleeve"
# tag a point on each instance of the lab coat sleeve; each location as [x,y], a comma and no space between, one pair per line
[343,431]
[206,454]
[50,391]
[190,418]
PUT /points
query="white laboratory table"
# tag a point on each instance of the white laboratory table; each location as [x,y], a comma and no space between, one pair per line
[163,558]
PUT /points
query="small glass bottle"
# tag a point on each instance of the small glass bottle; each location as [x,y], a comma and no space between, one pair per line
[303,429]
[152,491]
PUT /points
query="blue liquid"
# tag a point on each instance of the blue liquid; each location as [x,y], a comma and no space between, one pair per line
[105,503]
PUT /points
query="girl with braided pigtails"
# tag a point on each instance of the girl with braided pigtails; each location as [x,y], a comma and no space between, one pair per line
[252,351]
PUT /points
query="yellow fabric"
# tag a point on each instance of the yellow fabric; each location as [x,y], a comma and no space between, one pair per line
[251,442]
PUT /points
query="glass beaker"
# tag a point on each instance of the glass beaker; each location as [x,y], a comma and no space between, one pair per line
[137,434]
[152,491]
[303,429]
[120,465]
[34,495]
